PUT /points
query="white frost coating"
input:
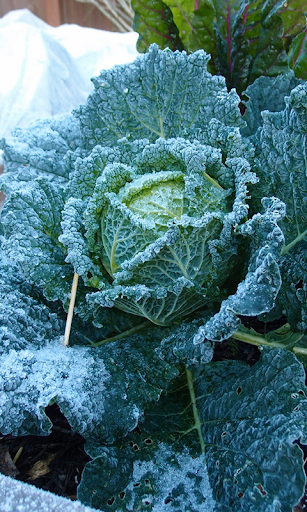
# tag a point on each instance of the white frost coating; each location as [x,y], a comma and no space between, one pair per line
[18,496]
[171,471]
[71,375]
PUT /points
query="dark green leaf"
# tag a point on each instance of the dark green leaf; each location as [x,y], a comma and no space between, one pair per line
[154,22]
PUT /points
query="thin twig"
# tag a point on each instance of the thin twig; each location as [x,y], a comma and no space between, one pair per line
[71,309]
[112,13]
[19,452]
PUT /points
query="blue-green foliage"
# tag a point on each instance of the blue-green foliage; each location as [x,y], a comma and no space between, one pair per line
[182,221]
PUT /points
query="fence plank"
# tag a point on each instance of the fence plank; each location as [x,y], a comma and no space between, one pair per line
[57,12]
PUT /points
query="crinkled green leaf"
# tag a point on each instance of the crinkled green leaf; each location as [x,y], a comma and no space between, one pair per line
[281,166]
[159,466]
[250,422]
[31,220]
[161,94]
[227,422]
[256,294]
[154,22]
[25,318]
[266,93]
[179,347]
[43,149]
[36,370]
[292,298]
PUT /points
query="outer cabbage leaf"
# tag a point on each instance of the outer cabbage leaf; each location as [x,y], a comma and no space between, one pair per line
[266,93]
[227,422]
[281,166]
[250,423]
[257,293]
[25,319]
[160,94]
[102,393]
[292,298]
[43,149]
[36,369]
[31,219]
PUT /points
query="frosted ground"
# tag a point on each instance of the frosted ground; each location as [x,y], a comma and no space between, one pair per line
[46,71]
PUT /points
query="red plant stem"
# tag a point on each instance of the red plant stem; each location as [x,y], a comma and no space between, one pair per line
[229,38]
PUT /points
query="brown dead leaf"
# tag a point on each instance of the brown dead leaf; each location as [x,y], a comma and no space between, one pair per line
[7,466]
[41,467]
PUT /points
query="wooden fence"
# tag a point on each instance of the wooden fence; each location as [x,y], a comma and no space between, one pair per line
[57,12]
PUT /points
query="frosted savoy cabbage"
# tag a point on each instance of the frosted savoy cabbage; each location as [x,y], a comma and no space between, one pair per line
[183,221]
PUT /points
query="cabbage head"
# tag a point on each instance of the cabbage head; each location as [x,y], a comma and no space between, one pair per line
[159,226]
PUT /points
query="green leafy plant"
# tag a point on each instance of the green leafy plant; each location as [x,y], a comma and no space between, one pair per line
[246,39]
[185,223]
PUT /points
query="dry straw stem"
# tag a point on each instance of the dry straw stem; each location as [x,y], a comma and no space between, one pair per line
[118,11]
[70,313]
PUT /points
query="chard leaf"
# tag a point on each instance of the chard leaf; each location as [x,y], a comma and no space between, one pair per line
[182,11]
[208,427]
[161,94]
[297,55]
[202,30]
[154,22]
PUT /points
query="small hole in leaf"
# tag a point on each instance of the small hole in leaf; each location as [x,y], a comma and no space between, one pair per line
[240,495]
[236,481]
[239,390]
[299,285]
[224,434]
[146,481]
[168,500]
[131,444]
[135,447]
[146,502]
[301,392]
[122,495]
[137,484]
[217,463]
[148,441]
[111,501]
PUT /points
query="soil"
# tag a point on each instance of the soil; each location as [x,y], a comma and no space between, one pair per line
[54,463]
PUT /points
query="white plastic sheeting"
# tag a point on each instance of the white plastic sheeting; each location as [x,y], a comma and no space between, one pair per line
[46,71]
